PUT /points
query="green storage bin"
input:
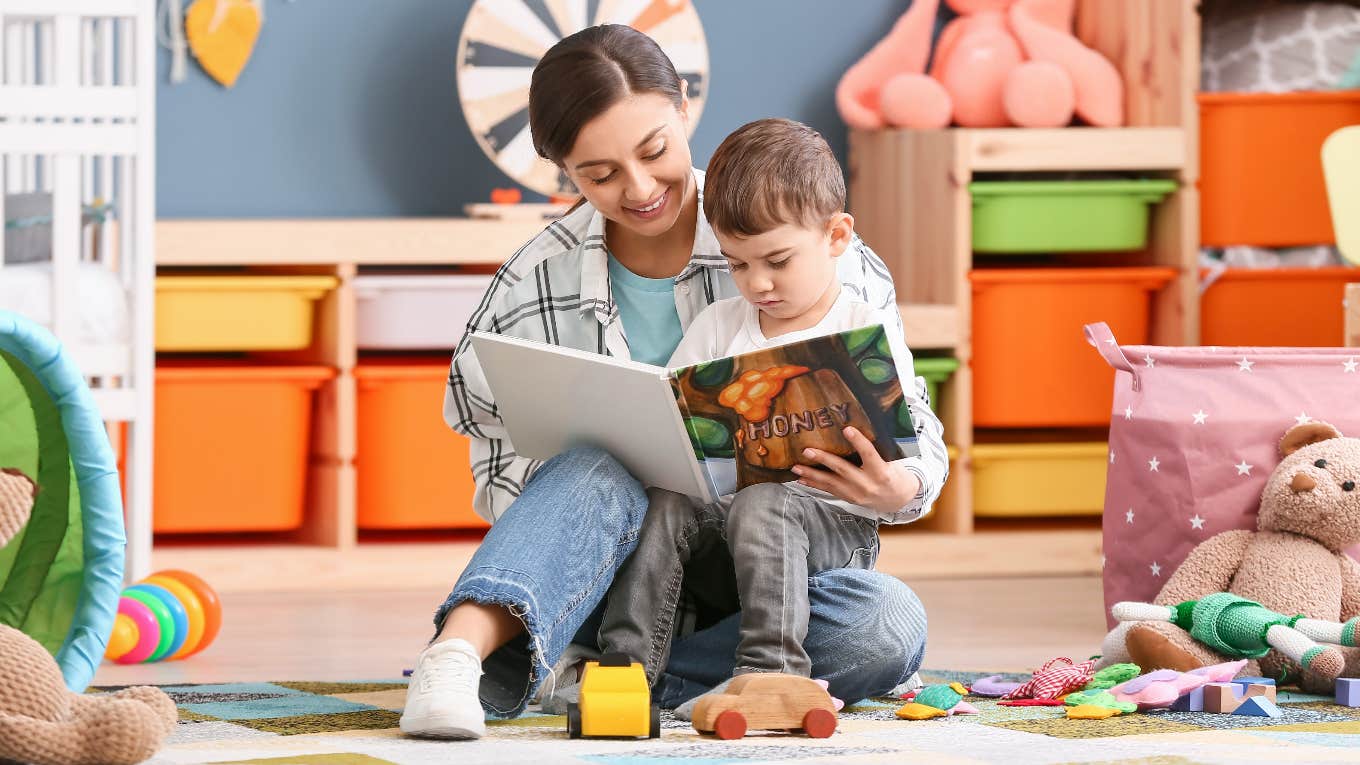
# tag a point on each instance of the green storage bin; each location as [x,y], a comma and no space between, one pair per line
[935,371]
[1063,216]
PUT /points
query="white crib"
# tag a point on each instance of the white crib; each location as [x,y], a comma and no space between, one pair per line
[77,121]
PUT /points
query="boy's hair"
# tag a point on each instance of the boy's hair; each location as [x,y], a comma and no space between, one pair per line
[771,172]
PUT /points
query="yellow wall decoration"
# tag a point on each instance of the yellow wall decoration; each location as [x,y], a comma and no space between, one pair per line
[222,35]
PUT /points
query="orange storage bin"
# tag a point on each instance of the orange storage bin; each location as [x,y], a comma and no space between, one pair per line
[231,445]
[413,471]
[1280,307]
[1031,364]
[1261,168]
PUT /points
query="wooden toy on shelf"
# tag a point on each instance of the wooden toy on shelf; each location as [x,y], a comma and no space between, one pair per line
[767,701]
[615,701]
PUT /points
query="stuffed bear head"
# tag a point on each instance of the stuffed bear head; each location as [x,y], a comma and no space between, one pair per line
[1315,490]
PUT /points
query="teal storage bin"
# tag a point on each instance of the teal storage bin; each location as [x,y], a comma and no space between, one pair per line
[935,371]
[1063,216]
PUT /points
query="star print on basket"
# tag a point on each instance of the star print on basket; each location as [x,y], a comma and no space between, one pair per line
[1197,433]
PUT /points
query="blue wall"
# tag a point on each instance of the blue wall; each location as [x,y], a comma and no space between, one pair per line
[349,107]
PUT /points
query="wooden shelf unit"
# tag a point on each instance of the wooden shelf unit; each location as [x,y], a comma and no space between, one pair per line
[337,248]
[909,194]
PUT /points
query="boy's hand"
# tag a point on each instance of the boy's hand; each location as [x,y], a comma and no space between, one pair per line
[875,484]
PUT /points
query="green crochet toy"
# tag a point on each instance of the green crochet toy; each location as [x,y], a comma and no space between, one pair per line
[1240,628]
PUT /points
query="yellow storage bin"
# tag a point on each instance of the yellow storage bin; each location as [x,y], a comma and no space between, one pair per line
[237,313]
[1014,480]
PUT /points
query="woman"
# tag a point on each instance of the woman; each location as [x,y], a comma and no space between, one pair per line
[621,274]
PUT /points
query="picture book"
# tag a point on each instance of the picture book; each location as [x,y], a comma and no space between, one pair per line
[709,429]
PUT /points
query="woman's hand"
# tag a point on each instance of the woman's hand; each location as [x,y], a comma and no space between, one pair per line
[875,484]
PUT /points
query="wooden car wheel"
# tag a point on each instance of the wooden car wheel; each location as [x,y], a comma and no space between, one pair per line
[573,721]
[729,725]
[655,731]
[819,723]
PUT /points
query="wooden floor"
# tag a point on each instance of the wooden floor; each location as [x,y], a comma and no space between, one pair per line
[1003,624]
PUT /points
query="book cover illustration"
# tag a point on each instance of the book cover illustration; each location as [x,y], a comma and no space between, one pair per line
[749,417]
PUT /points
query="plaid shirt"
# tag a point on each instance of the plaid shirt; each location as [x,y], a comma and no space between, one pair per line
[555,289]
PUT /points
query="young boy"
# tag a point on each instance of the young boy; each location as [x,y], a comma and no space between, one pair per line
[775,198]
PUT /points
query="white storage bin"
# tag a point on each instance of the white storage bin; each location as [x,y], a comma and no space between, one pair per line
[423,311]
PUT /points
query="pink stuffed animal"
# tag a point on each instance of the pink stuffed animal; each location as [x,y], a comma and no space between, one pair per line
[1000,63]
[1160,689]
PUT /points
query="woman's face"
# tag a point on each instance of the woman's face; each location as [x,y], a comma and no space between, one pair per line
[632,163]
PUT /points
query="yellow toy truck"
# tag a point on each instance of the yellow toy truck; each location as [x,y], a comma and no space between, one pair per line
[615,701]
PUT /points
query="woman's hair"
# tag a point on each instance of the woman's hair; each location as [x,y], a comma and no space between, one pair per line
[584,74]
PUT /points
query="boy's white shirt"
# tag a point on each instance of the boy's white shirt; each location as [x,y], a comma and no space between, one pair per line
[732,326]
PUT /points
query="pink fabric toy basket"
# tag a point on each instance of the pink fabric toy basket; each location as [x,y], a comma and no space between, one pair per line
[1193,436]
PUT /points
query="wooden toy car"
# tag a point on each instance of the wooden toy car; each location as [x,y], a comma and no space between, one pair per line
[767,701]
[615,701]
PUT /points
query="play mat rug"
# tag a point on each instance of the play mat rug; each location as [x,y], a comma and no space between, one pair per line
[355,723]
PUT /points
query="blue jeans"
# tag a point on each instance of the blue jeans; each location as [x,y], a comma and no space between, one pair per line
[552,555]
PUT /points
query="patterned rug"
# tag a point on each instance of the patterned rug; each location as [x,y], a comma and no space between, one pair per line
[356,724]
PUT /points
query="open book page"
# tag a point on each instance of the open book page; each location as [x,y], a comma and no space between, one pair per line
[749,417]
[553,398]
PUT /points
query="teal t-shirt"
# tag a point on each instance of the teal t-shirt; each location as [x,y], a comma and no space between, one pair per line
[647,310]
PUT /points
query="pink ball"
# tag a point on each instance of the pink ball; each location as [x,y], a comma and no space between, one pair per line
[915,101]
[1039,94]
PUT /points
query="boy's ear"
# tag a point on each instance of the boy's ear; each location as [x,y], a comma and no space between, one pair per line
[840,230]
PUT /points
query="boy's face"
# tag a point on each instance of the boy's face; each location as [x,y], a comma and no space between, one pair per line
[632,163]
[788,270]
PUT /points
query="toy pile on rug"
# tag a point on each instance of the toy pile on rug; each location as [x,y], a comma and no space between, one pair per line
[1245,611]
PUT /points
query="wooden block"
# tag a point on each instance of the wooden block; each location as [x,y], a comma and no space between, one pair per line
[1258,706]
[1348,691]
[1190,702]
[1260,690]
[1246,681]
[1222,698]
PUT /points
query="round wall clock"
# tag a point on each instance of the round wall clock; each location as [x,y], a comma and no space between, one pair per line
[502,40]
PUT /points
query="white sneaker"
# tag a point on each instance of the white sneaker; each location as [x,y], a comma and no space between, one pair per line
[913,683]
[441,701]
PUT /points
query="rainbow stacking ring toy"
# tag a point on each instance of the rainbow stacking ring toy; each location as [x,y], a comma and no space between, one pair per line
[169,615]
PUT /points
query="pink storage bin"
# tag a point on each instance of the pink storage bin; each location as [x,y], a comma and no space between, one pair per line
[1214,413]
[416,311]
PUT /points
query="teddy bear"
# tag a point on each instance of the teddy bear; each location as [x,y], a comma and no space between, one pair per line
[1000,63]
[1287,583]
[43,723]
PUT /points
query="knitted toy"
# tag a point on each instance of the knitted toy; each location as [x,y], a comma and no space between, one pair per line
[41,722]
[1237,593]
[1235,626]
